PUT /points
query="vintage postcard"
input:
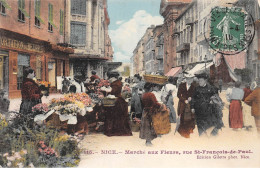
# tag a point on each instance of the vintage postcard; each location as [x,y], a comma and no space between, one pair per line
[129,84]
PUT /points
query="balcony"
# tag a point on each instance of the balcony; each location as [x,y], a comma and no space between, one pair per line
[159,57]
[176,31]
[189,21]
[159,42]
[183,47]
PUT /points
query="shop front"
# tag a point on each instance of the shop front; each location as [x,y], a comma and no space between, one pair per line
[19,51]
[82,65]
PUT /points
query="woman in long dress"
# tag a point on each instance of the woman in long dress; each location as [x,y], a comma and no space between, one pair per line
[117,122]
[150,105]
[161,120]
[187,120]
[31,93]
[235,107]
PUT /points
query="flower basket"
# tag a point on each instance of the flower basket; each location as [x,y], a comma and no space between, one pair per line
[161,80]
[109,102]
[54,122]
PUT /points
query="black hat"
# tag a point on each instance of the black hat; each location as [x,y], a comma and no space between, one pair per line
[113,74]
[202,76]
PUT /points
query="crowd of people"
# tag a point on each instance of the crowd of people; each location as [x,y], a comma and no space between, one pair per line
[152,105]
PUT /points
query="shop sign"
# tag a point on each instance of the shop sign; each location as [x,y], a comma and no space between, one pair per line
[12,43]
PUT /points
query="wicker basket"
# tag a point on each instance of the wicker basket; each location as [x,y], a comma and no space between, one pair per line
[108,102]
[161,80]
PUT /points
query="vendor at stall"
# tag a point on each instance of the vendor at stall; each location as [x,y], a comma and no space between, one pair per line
[117,122]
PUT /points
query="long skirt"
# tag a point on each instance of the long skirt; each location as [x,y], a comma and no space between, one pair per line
[147,131]
[187,124]
[27,105]
[117,121]
[161,122]
[169,105]
[235,114]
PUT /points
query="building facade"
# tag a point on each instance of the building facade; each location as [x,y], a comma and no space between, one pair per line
[191,27]
[87,22]
[32,33]
[149,53]
[138,59]
[158,50]
[253,58]
[170,10]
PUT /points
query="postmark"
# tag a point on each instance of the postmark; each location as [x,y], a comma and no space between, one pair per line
[231,30]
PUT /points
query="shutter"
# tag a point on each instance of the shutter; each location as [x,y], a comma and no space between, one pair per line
[23,4]
[49,12]
[67,68]
[58,70]
[13,70]
[33,62]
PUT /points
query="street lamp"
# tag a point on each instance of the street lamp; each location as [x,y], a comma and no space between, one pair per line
[205,60]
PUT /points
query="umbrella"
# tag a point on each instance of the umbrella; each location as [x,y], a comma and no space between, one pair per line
[178,122]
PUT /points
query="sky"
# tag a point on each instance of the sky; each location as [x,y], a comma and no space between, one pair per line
[129,20]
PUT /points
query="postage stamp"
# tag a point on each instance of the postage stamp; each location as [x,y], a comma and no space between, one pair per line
[231,30]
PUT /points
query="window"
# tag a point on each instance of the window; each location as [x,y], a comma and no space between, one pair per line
[2,8]
[21,11]
[78,33]
[23,62]
[78,7]
[37,7]
[61,21]
[50,22]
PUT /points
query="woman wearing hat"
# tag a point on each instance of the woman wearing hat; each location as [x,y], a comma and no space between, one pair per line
[31,94]
[151,107]
[117,122]
[185,92]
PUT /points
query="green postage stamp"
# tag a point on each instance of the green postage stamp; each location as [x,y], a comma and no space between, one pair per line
[232,30]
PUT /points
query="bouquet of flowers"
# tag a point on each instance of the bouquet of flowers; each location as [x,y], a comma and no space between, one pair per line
[41,108]
[71,104]
[79,97]
[103,83]
[44,83]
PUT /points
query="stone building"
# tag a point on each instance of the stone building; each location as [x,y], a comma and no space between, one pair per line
[149,53]
[170,10]
[253,53]
[87,22]
[158,50]
[32,33]
[138,58]
[192,30]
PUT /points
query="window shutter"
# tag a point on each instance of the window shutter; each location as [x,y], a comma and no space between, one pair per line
[23,4]
[49,12]
[51,19]
[61,21]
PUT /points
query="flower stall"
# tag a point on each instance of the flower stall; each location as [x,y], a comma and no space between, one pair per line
[66,113]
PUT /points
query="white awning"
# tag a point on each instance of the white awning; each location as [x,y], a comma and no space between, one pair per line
[199,67]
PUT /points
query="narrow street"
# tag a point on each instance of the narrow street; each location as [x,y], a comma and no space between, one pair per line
[97,145]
